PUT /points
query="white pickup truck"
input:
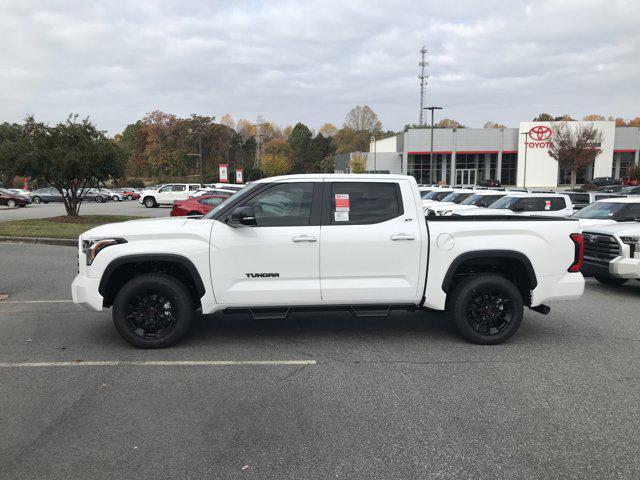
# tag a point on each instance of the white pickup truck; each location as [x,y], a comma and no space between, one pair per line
[355,242]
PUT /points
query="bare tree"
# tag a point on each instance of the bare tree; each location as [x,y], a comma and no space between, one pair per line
[228,121]
[574,147]
[328,130]
[362,118]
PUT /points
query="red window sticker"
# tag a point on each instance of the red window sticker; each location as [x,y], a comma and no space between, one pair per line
[547,204]
[342,202]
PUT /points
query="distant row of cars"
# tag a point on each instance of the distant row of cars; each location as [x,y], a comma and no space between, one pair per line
[21,198]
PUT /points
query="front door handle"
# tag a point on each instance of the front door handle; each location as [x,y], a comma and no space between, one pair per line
[402,236]
[304,238]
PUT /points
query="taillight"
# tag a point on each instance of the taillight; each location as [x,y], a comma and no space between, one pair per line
[578,241]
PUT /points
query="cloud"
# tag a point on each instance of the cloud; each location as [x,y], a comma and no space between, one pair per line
[312,61]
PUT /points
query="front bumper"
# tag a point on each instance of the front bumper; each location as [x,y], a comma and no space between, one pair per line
[84,291]
[624,267]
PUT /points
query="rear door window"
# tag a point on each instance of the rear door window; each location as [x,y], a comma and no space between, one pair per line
[364,203]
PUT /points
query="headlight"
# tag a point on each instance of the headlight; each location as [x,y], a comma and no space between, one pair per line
[91,248]
[634,243]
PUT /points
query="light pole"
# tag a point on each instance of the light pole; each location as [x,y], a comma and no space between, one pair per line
[432,108]
[375,153]
[524,178]
[199,155]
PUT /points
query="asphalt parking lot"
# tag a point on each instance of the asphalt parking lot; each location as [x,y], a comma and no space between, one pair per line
[400,397]
[47,210]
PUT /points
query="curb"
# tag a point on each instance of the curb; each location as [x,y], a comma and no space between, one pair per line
[64,242]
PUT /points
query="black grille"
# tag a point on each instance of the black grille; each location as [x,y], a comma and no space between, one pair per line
[600,249]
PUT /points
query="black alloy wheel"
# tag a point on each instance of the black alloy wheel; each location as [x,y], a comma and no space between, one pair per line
[487,308]
[153,310]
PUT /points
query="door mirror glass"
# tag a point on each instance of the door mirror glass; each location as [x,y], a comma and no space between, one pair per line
[243,216]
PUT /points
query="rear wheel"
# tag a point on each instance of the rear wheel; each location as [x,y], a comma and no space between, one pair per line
[99,199]
[129,197]
[608,280]
[115,198]
[36,200]
[11,203]
[150,202]
[487,308]
[153,311]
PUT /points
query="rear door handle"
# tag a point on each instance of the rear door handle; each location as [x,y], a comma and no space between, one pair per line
[304,238]
[402,236]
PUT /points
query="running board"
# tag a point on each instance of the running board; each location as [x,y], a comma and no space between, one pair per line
[542,309]
[269,313]
[373,311]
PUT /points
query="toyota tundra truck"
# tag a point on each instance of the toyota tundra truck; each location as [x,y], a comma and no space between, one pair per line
[355,242]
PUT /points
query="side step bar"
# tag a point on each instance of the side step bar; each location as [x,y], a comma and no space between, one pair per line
[542,309]
[358,311]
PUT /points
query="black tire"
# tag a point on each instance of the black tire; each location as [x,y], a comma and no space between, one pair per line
[99,199]
[129,197]
[487,308]
[607,280]
[11,203]
[148,294]
[36,200]
[115,198]
[150,202]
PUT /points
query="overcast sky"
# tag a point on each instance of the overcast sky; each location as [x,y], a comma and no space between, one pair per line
[504,61]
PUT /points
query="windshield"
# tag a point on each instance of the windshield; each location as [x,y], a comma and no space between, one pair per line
[456,197]
[242,193]
[601,210]
[437,195]
[505,202]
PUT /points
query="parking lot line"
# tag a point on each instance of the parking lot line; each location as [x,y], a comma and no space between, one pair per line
[36,301]
[158,363]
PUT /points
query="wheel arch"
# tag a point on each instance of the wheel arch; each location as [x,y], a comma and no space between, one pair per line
[123,269]
[514,265]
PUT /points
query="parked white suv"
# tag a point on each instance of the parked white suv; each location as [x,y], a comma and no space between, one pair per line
[612,252]
[167,194]
[482,199]
[609,211]
[526,204]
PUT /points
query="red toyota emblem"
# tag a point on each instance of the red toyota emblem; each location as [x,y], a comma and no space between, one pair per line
[540,133]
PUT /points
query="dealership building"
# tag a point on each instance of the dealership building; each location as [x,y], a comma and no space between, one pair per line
[515,156]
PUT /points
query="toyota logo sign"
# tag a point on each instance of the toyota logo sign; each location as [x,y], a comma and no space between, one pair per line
[540,133]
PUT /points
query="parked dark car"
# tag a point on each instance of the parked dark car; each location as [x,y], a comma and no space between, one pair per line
[11,199]
[490,184]
[196,206]
[94,195]
[611,189]
[604,181]
[46,195]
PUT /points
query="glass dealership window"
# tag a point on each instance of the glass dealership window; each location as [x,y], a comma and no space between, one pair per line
[582,175]
[624,160]
[509,170]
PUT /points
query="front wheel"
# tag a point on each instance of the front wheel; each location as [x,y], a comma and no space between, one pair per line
[608,280]
[150,202]
[36,200]
[487,308]
[153,310]
[11,203]
[115,198]
[99,199]
[129,197]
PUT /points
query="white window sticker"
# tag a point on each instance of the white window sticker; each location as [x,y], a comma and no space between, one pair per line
[341,216]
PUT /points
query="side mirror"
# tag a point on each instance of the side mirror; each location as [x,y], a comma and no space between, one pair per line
[243,216]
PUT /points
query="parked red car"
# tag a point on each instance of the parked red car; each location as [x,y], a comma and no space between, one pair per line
[631,182]
[196,206]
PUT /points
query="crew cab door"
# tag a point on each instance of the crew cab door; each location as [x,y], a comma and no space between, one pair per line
[370,242]
[276,261]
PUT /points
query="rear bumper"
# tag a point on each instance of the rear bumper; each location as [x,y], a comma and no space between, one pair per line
[84,291]
[622,267]
[569,286]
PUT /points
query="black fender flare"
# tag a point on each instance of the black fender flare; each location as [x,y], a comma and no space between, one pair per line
[485,254]
[152,257]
